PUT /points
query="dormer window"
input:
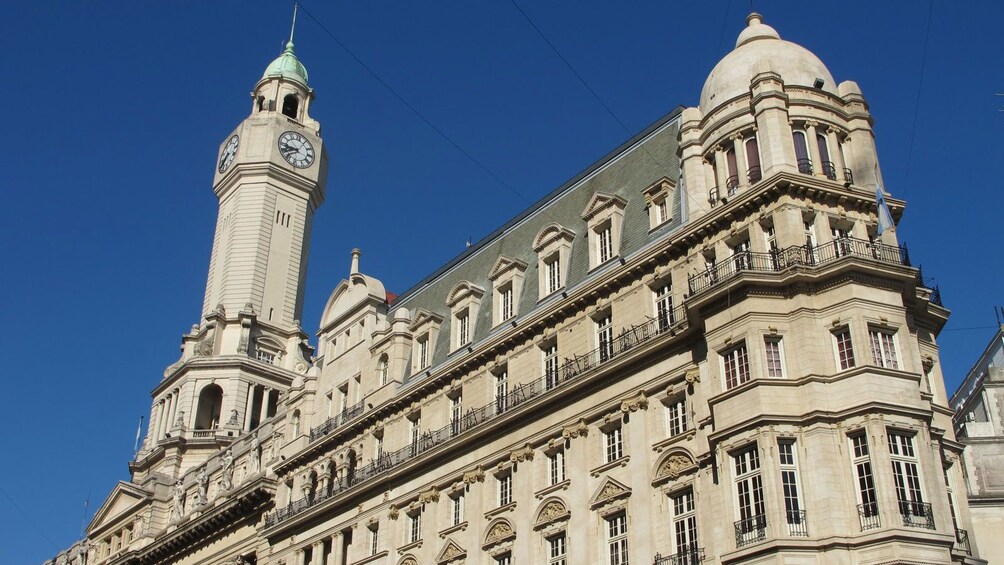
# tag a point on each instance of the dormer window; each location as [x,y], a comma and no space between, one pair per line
[553,245]
[425,328]
[464,302]
[659,201]
[604,215]
[290,105]
[507,283]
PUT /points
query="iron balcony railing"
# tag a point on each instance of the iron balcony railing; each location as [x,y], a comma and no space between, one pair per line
[962,541]
[805,166]
[754,174]
[868,516]
[830,170]
[338,420]
[571,368]
[848,177]
[796,255]
[797,524]
[688,555]
[732,185]
[713,197]
[917,514]
[751,530]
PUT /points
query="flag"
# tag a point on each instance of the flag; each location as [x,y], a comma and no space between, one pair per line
[884,216]
[139,429]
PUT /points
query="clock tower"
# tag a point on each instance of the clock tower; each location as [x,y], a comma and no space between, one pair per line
[248,350]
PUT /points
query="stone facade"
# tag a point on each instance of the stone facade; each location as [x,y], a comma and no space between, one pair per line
[702,349]
[979,424]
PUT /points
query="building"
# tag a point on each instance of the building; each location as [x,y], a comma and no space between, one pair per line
[979,424]
[701,349]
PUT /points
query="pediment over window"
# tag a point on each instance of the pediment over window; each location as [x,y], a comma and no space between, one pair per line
[674,464]
[609,491]
[270,345]
[125,499]
[424,317]
[499,531]
[550,234]
[601,202]
[451,552]
[551,510]
[660,188]
[504,265]
[408,560]
[462,291]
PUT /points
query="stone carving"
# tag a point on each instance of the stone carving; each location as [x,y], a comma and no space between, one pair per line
[408,561]
[551,512]
[525,453]
[693,376]
[475,475]
[639,402]
[673,466]
[576,430]
[202,490]
[609,491]
[233,418]
[82,554]
[431,495]
[450,552]
[393,513]
[227,481]
[179,501]
[500,532]
[254,455]
[180,421]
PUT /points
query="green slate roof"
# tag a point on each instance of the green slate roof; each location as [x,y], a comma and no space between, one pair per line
[287,66]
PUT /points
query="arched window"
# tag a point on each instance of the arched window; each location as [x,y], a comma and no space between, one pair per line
[731,183]
[829,169]
[802,152]
[290,105]
[383,370]
[261,103]
[753,174]
[296,423]
[210,404]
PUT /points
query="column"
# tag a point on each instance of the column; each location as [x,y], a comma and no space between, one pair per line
[174,407]
[741,164]
[317,555]
[301,557]
[248,406]
[157,424]
[264,404]
[721,171]
[165,416]
[335,557]
[811,131]
[835,153]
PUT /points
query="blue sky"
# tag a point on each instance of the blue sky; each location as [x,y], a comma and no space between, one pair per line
[116,110]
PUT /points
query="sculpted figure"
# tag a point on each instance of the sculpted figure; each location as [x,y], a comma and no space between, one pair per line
[201,494]
[179,501]
[227,482]
[255,455]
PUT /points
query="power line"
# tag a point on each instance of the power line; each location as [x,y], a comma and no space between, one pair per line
[28,519]
[414,110]
[916,108]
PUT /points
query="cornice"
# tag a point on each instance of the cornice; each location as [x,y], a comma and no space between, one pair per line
[246,364]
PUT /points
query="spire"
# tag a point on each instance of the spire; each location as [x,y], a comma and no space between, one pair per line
[292,29]
[287,65]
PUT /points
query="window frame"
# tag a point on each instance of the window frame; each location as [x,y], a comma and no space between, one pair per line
[774,366]
[737,371]
[845,357]
[617,538]
[886,354]
[613,444]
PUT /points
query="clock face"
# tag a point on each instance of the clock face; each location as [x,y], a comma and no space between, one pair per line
[229,152]
[296,149]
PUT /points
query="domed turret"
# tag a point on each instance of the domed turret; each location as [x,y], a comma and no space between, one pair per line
[760,48]
[287,66]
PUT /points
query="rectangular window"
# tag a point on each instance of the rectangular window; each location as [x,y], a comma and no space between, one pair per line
[685,528]
[501,391]
[504,559]
[505,303]
[423,352]
[416,433]
[845,350]
[883,348]
[906,476]
[463,328]
[752,524]
[265,357]
[504,489]
[664,306]
[605,337]
[374,541]
[556,467]
[772,351]
[605,244]
[841,243]
[676,417]
[662,211]
[557,550]
[552,268]
[770,239]
[861,459]
[614,440]
[550,366]
[794,515]
[810,241]
[414,527]
[710,270]
[456,414]
[457,508]
[378,447]
[741,258]
[737,366]
[617,539]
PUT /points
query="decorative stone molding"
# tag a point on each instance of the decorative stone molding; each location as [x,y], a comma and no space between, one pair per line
[611,420]
[408,560]
[393,512]
[522,454]
[475,475]
[500,531]
[451,552]
[429,496]
[675,463]
[692,376]
[575,430]
[608,492]
[639,402]
[553,510]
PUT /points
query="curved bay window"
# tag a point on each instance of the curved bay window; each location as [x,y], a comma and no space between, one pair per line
[829,169]
[802,158]
[754,173]
[732,182]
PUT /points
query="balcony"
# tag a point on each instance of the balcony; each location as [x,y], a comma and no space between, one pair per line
[338,420]
[917,514]
[754,174]
[798,255]
[868,516]
[691,555]
[713,197]
[751,530]
[797,524]
[570,369]
[962,541]
[830,170]
[732,185]
[848,177]
[805,166]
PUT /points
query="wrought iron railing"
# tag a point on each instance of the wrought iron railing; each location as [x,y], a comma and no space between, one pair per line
[732,185]
[868,516]
[571,368]
[804,166]
[962,541]
[797,524]
[848,177]
[689,555]
[830,170]
[917,514]
[936,295]
[751,530]
[754,174]
[796,255]
[338,420]
[713,197]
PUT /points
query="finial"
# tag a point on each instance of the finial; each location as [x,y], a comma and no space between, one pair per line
[292,28]
[753,19]
[355,261]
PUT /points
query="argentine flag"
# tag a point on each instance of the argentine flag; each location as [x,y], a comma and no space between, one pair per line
[884,216]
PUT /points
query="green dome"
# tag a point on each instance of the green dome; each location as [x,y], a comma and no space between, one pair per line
[287,66]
